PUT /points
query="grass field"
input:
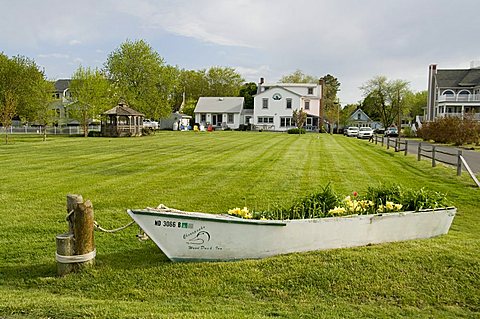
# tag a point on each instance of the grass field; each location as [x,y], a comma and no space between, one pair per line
[212,172]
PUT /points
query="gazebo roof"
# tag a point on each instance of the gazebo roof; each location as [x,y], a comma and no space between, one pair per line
[123,109]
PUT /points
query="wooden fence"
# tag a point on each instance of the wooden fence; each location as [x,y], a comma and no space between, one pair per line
[400,145]
[432,152]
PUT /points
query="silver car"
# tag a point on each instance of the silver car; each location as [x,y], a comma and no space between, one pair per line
[365,132]
[352,131]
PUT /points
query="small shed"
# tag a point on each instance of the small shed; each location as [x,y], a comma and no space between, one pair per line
[178,118]
[122,121]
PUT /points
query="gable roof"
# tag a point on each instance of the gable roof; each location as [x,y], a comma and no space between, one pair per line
[219,104]
[268,88]
[458,78]
[286,86]
[122,109]
[62,84]
[364,115]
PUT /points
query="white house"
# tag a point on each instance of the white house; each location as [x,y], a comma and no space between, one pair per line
[274,105]
[453,92]
[360,119]
[221,112]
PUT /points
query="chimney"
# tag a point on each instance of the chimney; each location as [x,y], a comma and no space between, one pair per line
[259,87]
[432,71]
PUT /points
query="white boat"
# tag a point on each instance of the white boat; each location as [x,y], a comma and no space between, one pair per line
[188,236]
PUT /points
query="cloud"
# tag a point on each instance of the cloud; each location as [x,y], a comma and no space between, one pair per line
[352,40]
[53,56]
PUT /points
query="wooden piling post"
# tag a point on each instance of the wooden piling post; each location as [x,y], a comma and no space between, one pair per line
[76,249]
[406,147]
[64,248]
[419,154]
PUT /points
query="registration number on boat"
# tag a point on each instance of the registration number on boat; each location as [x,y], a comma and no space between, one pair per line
[171,223]
[165,223]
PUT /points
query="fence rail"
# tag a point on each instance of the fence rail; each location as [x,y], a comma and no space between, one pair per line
[429,151]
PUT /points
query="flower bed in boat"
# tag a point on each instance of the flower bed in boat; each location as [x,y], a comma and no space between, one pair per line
[327,203]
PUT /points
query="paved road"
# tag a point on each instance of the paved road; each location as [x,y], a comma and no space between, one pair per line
[471,157]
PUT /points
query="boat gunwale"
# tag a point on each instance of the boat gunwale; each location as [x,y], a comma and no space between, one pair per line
[235,220]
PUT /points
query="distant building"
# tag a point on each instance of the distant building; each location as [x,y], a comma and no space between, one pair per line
[62,98]
[274,105]
[453,92]
[122,121]
[220,112]
[360,119]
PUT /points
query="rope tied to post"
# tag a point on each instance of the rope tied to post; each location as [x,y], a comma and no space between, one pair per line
[100,228]
[76,258]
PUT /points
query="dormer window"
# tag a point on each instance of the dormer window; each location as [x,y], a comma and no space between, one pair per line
[310,90]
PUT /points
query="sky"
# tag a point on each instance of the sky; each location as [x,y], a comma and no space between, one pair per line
[353,40]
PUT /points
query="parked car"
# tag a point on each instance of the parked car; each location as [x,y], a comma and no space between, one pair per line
[352,131]
[391,132]
[365,132]
[153,125]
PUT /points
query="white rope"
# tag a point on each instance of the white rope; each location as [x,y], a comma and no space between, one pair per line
[75,258]
[97,226]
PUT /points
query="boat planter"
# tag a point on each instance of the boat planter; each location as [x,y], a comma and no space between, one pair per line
[189,236]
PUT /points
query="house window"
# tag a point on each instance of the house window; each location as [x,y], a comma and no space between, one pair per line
[307,105]
[310,90]
[286,122]
[359,116]
[309,121]
[203,117]
[265,119]
[230,118]
[289,103]
[264,103]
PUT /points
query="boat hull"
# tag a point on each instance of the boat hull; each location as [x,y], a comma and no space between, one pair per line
[184,236]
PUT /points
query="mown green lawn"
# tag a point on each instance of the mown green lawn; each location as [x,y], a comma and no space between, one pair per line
[213,172]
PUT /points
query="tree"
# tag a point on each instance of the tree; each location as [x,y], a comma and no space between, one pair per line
[331,104]
[369,107]
[141,79]
[19,90]
[223,81]
[44,114]
[299,117]
[91,94]
[216,81]
[345,114]
[247,91]
[298,77]
[387,97]
[416,102]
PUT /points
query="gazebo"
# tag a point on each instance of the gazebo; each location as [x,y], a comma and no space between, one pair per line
[122,121]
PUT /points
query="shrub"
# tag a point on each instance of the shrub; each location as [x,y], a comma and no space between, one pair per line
[146,131]
[451,130]
[94,134]
[408,132]
[296,131]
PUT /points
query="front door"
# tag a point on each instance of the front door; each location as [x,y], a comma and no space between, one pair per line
[214,119]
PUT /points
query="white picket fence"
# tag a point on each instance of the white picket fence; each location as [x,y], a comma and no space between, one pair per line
[63,130]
